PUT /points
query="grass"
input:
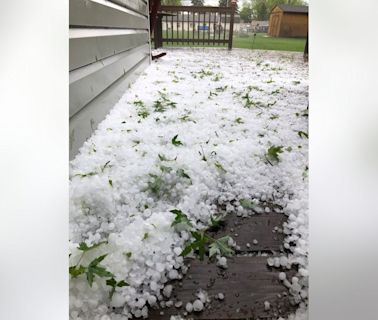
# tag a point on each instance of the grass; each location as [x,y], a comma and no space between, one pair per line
[245,41]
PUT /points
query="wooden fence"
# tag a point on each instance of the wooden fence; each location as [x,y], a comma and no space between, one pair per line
[192,25]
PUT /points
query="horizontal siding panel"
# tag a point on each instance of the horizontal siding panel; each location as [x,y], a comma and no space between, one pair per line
[137,5]
[83,123]
[86,50]
[100,13]
[88,82]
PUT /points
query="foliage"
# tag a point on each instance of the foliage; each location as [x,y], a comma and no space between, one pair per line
[223,3]
[171,2]
[246,12]
[201,239]
[273,152]
[199,3]
[176,142]
[94,269]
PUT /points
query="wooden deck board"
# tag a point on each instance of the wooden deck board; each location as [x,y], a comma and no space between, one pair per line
[246,284]
[259,227]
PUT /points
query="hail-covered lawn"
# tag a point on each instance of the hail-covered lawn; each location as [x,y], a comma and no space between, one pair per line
[198,131]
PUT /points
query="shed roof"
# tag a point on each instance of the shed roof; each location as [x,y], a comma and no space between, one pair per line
[293,9]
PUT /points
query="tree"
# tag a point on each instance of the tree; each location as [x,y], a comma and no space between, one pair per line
[246,11]
[223,3]
[198,3]
[260,10]
[171,2]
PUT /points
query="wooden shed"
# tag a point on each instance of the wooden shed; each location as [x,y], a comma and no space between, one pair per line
[288,21]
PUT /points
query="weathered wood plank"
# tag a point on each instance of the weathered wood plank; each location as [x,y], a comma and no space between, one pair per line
[246,284]
[260,227]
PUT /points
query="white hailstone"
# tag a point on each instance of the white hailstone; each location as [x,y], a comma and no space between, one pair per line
[282,276]
[167,290]
[118,300]
[283,261]
[178,304]
[197,305]
[203,296]
[169,303]
[173,274]
[248,245]
[151,300]
[266,305]
[303,272]
[220,296]
[145,312]
[277,262]
[160,267]
[105,317]
[267,209]
[255,241]
[189,307]
[177,250]
[270,262]
[222,262]
[294,280]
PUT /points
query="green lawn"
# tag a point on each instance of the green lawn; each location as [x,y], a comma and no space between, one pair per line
[262,41]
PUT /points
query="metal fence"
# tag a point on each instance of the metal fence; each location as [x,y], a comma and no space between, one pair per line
[197,26]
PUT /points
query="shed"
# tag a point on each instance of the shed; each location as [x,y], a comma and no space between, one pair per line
[288,21]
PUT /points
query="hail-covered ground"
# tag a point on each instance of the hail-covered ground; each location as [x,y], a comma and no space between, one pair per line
[199,130]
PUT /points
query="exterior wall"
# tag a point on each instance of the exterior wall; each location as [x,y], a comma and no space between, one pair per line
[275,22]
[109,46]
[294,25]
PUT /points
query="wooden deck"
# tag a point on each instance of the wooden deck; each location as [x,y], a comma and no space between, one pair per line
[247,282]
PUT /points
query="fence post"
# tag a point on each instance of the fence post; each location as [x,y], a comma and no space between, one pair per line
[158,32]
[231,33]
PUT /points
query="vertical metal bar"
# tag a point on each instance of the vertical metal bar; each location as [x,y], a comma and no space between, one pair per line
[166,27]
[219,24]
[172,30]
[198,31]
[187,14]
[231,33]
[225,24]
[193,24]
[208,42]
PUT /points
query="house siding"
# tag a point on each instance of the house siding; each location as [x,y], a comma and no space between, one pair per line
[109,47]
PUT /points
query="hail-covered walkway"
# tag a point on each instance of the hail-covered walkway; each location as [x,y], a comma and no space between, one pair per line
[206,132]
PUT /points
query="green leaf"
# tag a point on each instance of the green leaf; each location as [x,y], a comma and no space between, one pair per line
[83,246]
[181,173]
[273,152]
[145,236]
[220,167]
[111,282]
[104,166]
[180,218]
[303,134]
[239,120]
[122,283]
[162,157]
[176,142]
[77,270]
[128,254]
[101,272]
[111,183]
[247,204]
[221,246]
[90,277]
[186,250]
[165,168]
[216,222]
[96,261]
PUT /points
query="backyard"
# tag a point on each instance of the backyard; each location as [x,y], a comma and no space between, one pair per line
[206,141]
[245,41]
